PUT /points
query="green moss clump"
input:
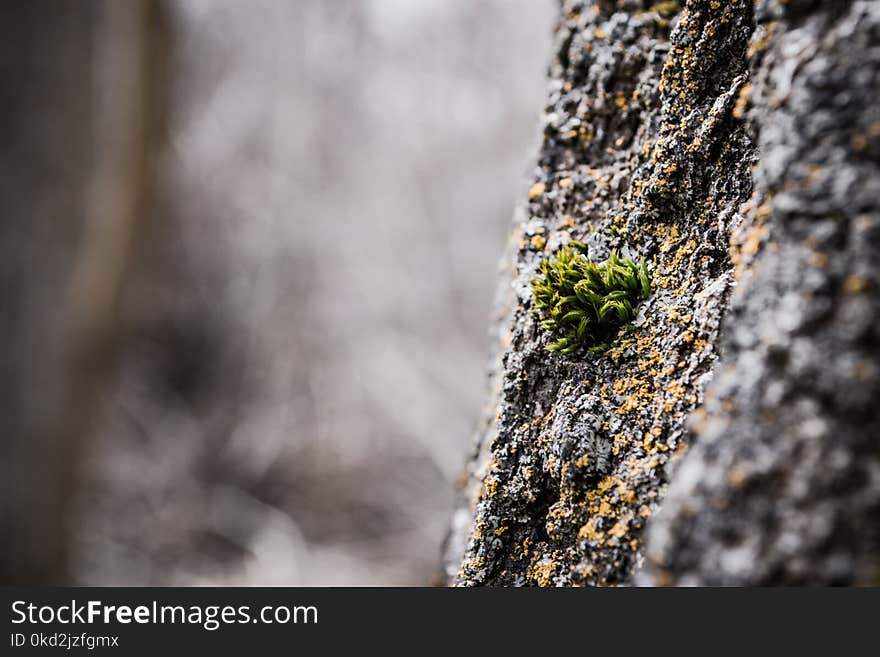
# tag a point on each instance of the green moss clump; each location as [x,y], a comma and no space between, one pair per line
[585,303]
[666,9]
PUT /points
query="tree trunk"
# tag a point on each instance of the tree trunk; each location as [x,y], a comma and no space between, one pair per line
[74,180]
[732,436]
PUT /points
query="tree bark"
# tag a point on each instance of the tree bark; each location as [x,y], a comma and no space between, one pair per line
[732,437]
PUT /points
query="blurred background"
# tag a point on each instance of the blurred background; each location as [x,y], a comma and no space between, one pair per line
[247,253]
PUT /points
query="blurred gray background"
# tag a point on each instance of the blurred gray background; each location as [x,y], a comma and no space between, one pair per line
[303,342]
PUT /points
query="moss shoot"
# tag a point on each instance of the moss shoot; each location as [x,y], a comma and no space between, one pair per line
[584,303]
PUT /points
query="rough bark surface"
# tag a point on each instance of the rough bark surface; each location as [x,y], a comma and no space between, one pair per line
[734,145]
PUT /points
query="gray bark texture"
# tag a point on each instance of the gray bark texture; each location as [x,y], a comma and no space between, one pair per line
[733,437]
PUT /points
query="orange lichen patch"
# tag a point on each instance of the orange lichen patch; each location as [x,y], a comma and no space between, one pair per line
[626,495]
[643,395]
[762,41]
[586,570]
[673,314]
[616,352]
[746,240]
[590,533]
[523,549]
[560,517]
[854,284]
[753,240]
[605,484]
[618,226]
[751,243]
[490,484]
[742,101]
[567,222]
[644,342]
[681,255]
[599,33]
[737,477]
[676,389]
[546,419]
[536,190]
[619,530]
[583,461]
[622,385]
[669,234]
[542,570]
[653,358]
[621,441]
[566,183]
[538,242]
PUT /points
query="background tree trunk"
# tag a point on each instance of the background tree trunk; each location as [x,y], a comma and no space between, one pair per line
[74,185]
[734,436]
[273,382]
